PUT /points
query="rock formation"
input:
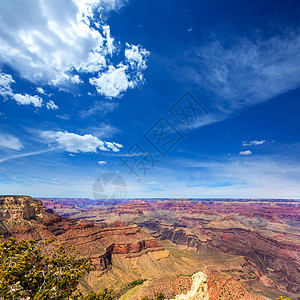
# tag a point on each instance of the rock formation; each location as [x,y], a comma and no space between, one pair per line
[198,291]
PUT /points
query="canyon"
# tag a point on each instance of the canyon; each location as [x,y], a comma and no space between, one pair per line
[247,247]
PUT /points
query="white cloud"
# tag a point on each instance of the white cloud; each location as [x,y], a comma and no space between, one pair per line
[118,145]
[28,99]
[6,91]
[117,80]
[55,42]
[51,105]
[113,82]
[10,142]
[63,79]
[53,38]
[136,56]
[113,4]
[115,147]
[40,90]
[5,84]
[246,152]
[102,162]
[75,143]
[254,143]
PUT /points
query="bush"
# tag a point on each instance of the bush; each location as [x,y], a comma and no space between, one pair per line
[136,282]
[105,295]
[38,271]
[159,296]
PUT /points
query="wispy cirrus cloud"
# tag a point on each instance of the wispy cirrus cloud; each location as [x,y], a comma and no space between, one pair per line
[11,142]
[103,130]
[3,159]
[102,107]
[240,72]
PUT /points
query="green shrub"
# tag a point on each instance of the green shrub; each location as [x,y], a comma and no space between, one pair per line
[38,271]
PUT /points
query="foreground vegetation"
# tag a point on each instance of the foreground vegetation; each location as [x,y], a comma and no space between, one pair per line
[32,270]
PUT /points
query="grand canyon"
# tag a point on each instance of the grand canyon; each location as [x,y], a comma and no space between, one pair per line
[231,248]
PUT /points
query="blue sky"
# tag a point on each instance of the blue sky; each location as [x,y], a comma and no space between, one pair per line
[87,88]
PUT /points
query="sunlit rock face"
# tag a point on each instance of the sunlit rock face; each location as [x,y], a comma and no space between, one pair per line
[20,207]
[198,291]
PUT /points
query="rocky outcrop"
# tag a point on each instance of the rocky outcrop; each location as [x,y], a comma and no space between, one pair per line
[20,207]
[101,241]
[199,289]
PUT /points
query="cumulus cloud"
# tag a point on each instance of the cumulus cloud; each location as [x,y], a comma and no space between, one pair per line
[254,143]
[10,142]
[136,56]
[51,105]
[75,143]
[113,82]
[246,152]
[102,162]
[117,80]
[28,99]
[55,42]
[22,99]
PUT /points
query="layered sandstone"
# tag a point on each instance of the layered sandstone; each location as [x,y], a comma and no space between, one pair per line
[20,207]
[264,232]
